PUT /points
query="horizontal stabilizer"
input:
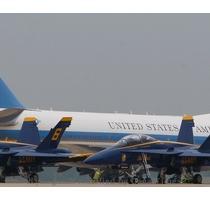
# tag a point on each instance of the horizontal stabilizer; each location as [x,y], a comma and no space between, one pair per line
[63,168]
[205,147]
[186,130]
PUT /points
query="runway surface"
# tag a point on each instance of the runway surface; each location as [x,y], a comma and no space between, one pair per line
[71,178]
[98,185]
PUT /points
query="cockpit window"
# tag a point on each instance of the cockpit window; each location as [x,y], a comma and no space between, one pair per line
[133,140]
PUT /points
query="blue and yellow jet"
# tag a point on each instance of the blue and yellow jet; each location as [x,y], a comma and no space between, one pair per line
[181,158]
[28,155]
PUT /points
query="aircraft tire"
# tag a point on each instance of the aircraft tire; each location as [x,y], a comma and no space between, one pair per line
[135,180]
[148,180]
[130,180]
[197,179]
[2,179]
[161,179]
[33,178]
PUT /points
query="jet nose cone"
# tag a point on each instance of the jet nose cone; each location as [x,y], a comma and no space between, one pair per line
[105,157]
[92,160]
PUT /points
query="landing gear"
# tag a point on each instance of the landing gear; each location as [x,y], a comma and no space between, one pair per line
[175,179]
[146,169]
[197,179]
[148,180]
[30,175]
[188,177]
[2,175]
[134,179]
[33,178]
[161,179]
[2,179]
[184,175]
[134,174]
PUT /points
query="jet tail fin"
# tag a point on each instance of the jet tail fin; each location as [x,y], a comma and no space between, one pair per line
[8,99]
[29,132]
[53,138]
[186,130]
[205,147]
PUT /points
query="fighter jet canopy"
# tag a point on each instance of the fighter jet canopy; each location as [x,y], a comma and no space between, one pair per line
[133,140]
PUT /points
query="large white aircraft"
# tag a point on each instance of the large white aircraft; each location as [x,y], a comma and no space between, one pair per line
[89,131]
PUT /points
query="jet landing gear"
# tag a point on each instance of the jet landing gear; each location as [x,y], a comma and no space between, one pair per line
[2,179]
[29,175]
[146,169]
[137,176]
[197,179]
[33,178]
[188,177]
[2,175]
[135,180]
[184,175]
[161,179]
[176,178]
[139,179]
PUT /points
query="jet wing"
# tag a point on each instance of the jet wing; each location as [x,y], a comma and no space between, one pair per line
[2,152]
[75,160]
[79,157]
[71,157]
[83,146]
[152,151]
[41,154]
[195,154]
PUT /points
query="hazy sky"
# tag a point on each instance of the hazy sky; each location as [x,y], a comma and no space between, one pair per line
[155,63]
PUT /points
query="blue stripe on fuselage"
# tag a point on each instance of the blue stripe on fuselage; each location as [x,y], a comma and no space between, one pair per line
[94,136]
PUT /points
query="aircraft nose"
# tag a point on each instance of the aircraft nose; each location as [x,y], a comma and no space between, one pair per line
[105,157]
[94,160]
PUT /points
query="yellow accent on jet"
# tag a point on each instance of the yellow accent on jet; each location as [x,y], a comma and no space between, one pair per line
[30,119]
[187,117]
[66,119]
[56,134]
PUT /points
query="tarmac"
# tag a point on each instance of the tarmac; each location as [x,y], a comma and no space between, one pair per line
[98,185]
[71,178]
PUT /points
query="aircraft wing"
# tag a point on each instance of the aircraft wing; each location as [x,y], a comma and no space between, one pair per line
[83,146]
[152,151]
[2,152]
[75,160]
[41,154]
[195,154]
[70,157]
